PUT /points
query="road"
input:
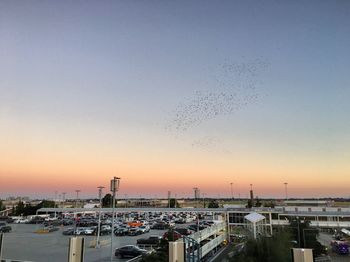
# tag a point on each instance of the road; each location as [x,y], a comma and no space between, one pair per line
[23,244]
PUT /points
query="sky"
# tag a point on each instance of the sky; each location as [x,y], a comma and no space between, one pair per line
[171,95]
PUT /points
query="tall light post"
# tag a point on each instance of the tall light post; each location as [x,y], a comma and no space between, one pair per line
[286,189]
[114,188]
[231,184]
[99,217]
[169,197]
[196,195]
[76,201]
[64,196]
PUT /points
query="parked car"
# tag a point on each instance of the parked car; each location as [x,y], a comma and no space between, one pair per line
[130,251]
[105,231]
[160,225]
[144,229]
[79,231]
[184,231]
[21,221]
[5,229]
[151,241]
[121,231]
[172,235]
[68,232]
[89,231]
[134,231]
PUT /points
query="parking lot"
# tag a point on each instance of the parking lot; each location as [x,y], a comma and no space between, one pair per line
[325,239]
[23,244]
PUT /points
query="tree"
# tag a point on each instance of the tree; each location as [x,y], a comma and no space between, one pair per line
[271,204]
[267,249]
[213,204]
[27,209]
[19,209]
[173,203]
[46,203]
[249,204]
[257,202]
[2,206]
[107,200]
[305,236]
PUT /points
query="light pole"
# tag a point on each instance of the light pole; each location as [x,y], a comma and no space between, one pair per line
[76,202]
[231,190]
[99,217]
[114,188]
[169,197]
[64,196]
[286,189]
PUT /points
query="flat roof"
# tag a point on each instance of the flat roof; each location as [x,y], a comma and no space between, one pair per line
[254,217]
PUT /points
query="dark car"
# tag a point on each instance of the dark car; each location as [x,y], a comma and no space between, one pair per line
[172,235]
[183,231]
[130,251]
[121,231]
[104,231]
[68,232]
[160,226]
[5,229]
[151,241]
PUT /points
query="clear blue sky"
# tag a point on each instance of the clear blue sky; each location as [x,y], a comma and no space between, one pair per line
[118,70]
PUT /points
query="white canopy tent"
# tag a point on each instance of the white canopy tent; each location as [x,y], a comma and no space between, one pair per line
[256,220]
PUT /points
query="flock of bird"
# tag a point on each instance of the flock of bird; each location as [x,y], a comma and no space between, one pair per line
[236,86]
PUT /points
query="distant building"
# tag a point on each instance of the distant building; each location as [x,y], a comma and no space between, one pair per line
[309,203]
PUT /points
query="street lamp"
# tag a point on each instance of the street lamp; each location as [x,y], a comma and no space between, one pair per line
[114,188]
[76,202]
[99,217]
[231,190]
[64,196]
[286,189]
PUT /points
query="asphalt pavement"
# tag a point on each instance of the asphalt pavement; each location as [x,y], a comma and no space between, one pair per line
[23,244]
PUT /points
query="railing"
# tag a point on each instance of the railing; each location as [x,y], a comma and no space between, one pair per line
[315,223]
[212,244]
[207,232]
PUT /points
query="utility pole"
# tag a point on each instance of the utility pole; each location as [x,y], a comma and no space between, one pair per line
[286,189]
[99,217]
[64,196]
[114,188]
[76,201]
[231,190]
[169,197]
[196,195]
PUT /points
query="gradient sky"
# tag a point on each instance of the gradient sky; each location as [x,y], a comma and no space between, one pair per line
[88,88]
